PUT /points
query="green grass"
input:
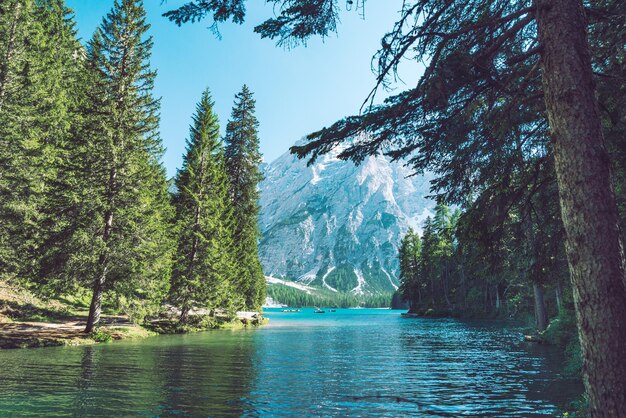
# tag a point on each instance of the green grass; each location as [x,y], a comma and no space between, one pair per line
[101,336]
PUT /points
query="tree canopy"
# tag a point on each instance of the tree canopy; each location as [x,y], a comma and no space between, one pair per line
[507,104]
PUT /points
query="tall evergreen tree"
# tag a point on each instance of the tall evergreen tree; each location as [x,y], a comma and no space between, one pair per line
[242,164]
[444,230]
[39,75]
[126,245]
[410,269]
[203,266]
[17,23]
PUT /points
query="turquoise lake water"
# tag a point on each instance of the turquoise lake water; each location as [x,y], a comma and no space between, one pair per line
[358,362]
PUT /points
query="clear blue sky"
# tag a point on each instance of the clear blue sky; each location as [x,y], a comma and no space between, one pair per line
[297,91]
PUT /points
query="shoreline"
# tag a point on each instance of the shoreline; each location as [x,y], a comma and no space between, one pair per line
[70,333]
[25,331]
[29,321]
[17,334]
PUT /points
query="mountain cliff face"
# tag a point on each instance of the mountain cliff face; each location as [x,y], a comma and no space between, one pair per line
[337,226]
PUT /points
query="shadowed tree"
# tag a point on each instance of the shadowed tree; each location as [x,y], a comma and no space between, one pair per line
[487,60]
[410,271]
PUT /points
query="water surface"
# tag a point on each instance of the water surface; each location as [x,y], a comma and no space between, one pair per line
[360,362]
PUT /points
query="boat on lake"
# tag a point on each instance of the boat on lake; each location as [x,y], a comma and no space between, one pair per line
[318,310]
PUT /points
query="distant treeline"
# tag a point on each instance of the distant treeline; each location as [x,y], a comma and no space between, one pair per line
[85,205]
[299,298]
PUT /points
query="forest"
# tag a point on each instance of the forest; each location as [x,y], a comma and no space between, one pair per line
[520,115]
[298,298]
[86,207]
[448,271]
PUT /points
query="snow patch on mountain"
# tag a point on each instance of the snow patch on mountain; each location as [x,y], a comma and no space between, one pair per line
[337,226]
[395,287]
[360,282]
[326,285]
[274,280]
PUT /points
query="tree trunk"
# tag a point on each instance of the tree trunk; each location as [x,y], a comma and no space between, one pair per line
[486,298]
[463,283]
[445,285]
[96,301]
[559,296]
[432,291]
[541,316]
[184,314]
[419,295]
[98,289]
[418,284]
[498,298]
[588,207]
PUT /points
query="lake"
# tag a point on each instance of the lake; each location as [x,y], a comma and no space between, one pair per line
[355,362]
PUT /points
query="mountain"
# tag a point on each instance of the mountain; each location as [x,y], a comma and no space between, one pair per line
[337,226]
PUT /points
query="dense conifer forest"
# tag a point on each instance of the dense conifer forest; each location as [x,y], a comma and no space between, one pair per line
[86,207]
[298,298]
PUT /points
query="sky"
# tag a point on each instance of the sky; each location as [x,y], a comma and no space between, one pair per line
[297,91]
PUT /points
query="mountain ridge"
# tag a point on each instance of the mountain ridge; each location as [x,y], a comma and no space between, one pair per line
[337,226]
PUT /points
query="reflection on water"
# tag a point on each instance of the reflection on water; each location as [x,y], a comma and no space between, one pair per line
[179,375]
[352,362]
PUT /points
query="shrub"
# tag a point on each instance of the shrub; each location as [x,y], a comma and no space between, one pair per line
[101,336]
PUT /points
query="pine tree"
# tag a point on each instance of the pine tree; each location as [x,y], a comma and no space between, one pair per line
[126,245]
[442,223]
[410,271]
[429,262]
[242,165]
[16,24]
[202,265]
[38,90]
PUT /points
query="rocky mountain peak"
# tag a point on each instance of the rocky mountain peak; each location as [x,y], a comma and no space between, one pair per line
[337,226]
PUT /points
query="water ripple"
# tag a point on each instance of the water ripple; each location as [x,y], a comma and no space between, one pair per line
[350,363]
